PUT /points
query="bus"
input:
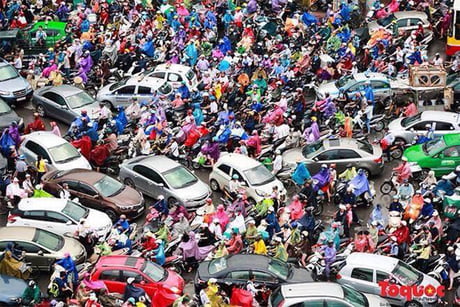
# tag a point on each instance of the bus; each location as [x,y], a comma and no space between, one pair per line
[453,36]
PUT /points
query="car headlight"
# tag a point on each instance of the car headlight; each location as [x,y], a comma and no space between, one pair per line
[2,92]
[175,290]
[29,87]
[260,193]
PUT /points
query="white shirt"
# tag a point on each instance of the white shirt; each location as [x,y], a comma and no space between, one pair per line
[277,163]
[213,107]
[174,149]
[281,131]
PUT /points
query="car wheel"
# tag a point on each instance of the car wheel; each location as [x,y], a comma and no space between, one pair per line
[412,304]
[386,188]
[400,140]
[112,215]
[366,172]
[171,201]
[379,126]
[214,185]
[41,110]
[130,183]
[397,153]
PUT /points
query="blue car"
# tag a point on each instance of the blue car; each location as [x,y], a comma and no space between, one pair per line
[11,290]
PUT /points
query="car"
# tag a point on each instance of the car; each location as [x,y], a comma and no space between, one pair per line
[98,191]
[235,270]
[352,84]
[121,93]
[159,175]
[12,290]
[64,102]
[405,129]
[442,155]
[14,89]
[322,294]
[257,180]
[57,152]
[115,270]
[364,271]
[7,116]
[55,31]
[340,151]
[407,21]
[57,215]
[175,74]
[42,248]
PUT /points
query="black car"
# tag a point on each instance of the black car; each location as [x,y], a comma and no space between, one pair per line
[236,269]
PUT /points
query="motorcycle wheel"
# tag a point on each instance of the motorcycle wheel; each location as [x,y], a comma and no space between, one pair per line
[397,153]
[379,126]
[196,165]
[386,187]
[314,275]
[318,209]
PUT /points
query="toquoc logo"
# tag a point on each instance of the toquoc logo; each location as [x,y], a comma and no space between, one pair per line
[392,290]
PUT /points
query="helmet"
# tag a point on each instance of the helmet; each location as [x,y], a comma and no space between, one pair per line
[235,176]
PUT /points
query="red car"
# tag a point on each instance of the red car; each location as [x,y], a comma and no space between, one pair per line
[154,279]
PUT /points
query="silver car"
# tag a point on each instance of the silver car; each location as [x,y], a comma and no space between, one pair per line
[14,89]
[405,129]
[364,271]
[159,175]
[341,152]
[64,102]
[141,87]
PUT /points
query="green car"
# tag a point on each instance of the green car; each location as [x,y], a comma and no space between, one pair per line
[441,155]
[55,31]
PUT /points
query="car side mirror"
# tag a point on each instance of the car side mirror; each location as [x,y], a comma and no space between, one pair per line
[142,282]
[46,160]
[68,223]
[96,196]
[64,107]
[315,159]
[161,185]
[40,253]
[244,183]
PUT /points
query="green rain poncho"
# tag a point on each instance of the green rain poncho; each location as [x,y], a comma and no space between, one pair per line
[281,253]
[262,207]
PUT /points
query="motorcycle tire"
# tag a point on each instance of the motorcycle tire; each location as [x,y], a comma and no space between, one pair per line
[397,153]
[386,187]
[196,165]
[318,209]
[379,126]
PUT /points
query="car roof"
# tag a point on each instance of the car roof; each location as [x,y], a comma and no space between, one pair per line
[159,163]
[247,262]
[239,161]
[15,233]
[370,76]
[410,14]
[45,138]
[145,81]
[310,289]
[452,139]
[440,115]
[45,203]
[340,142]
[80,174]
[64,90]
[367,260]
[50,24]
[172,67]
[120,260]
[456,5]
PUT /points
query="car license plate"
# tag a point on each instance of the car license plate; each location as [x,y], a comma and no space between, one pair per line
[21,98]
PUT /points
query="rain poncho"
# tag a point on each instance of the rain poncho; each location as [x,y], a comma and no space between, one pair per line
[300,174]
[322,177]
[360,184]
[69,265]
[190,249]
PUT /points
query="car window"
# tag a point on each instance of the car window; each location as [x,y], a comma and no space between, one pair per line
[356,87]
[37,149]
[3,245]
[443,126]
[381,276]
[362,274]
[235,172]
[414,21]
[126,90]
[128,274]
[336,303]
[452,152]
[35,215]
[379,85]
[158,74]
[332,154]
[311,303]
[54,97]
[73,185]
[142,170]
[155,177]
[50,32]
[27,247]
[224,168]
[421,125]
[348,154]
[264,277]
[402,22]
[457,87]
[244,275]
[113,275]
[174,77]
[86,189]
[56,217]
[144,90]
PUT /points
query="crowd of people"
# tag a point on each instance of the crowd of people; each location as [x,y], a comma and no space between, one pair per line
[254,61]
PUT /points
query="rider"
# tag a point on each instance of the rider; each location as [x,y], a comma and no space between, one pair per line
[349,173]
[234,186]
[403,172]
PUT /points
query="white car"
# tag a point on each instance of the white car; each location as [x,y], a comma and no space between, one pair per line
[57,152]
[255,177]
[57,215]
[175,74]
[405,129]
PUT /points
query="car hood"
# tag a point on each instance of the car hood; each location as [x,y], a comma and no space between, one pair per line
[103,91]
[127,197]
[80,162]
[174,280]
[99,221]
[7,118]
[73,247]
[330,88]
[291,156]
[90,108]
[268,187]
[375,300]
[11,287]
[415,153]
[196,191]
[15,84]
[395,125]
[300,275]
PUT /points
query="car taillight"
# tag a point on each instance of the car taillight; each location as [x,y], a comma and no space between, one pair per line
[378,160]
[12,218]
[338,276]
[280,304]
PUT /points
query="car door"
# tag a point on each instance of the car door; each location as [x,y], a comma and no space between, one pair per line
[59,223]
[90,197]
[357,87]
[144,94]
[381,276]
[31,150]
[362,279]
[326,157]
[222,175]
[124,95]
[346,156]
[35,218]
[310,302]
[381,88]
[447,160]
[441,128]
[32,254]
[56,106]
[113,280]
[240,277]
[175,79]
[264,278]
[403,24]
[420,127]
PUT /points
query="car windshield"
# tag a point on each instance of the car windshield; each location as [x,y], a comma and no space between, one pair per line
[365,146]
[385,21]
[343,81]
[217,265]
[4,108]
[64,152]
[165,88]
[434,146]
[154,271]
[48,240]
[74,211]
[147,72]
[259,175]
[406,122]
[107,186]
[308,151]
[79,100]
[407,275]
[179,177]
[190,75]
[118,84]
[279,268]
[8,72]
[354,297]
